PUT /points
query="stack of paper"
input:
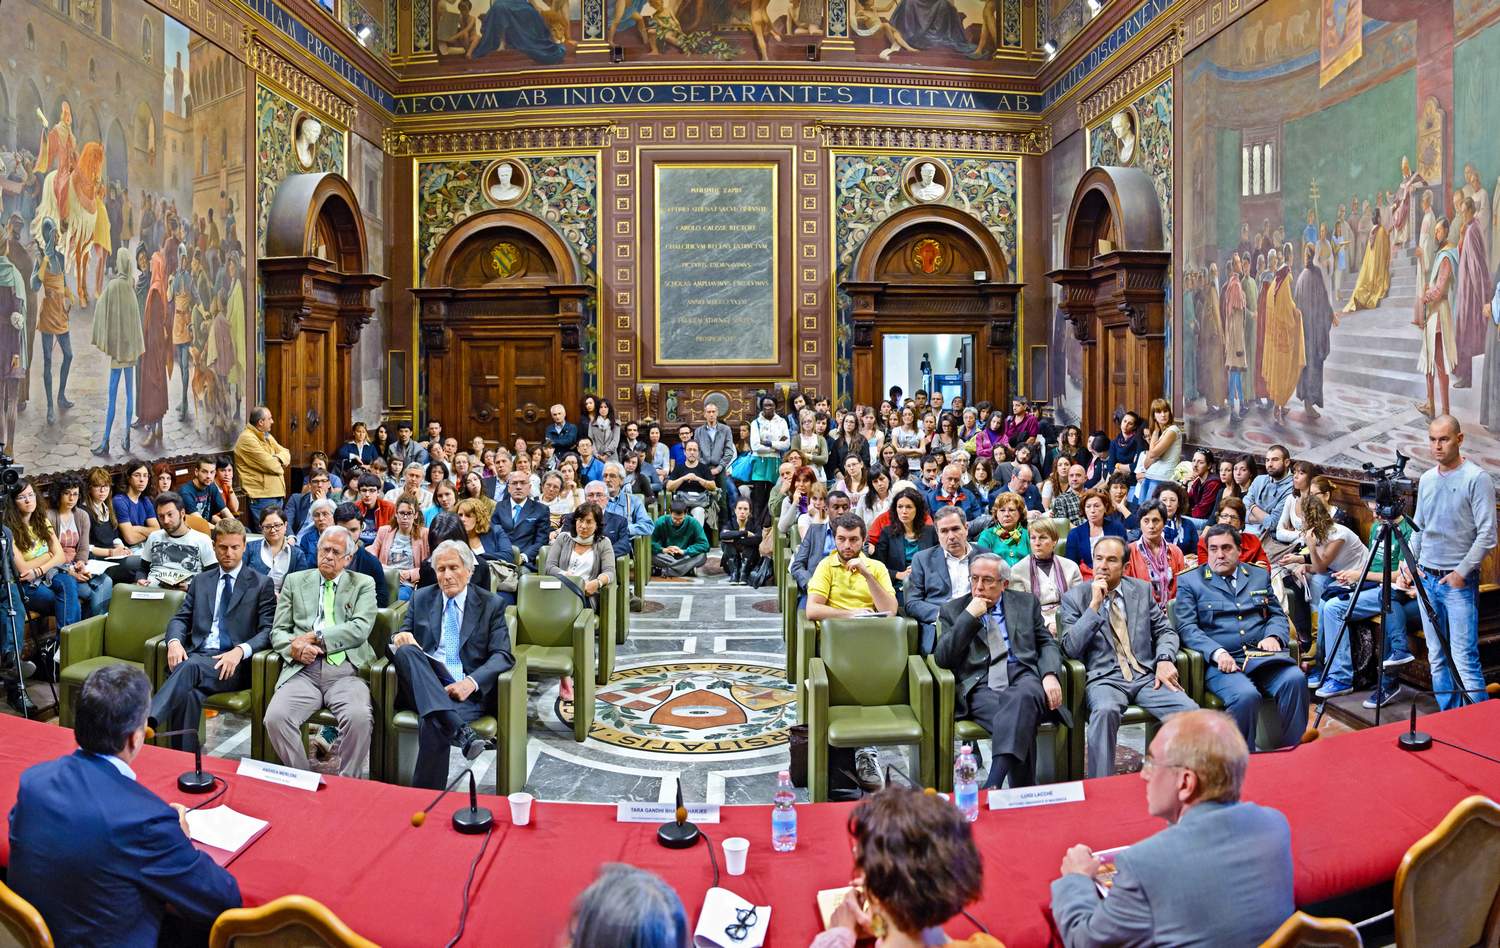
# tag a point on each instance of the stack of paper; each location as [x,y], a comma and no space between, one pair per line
[223,832]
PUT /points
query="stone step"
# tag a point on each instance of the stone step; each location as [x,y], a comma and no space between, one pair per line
[1409,383]
[1394,358]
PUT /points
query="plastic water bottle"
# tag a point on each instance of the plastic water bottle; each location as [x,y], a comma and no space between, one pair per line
[966,783]
[784,815]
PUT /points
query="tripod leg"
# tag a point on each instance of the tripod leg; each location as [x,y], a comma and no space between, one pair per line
[1338,639]
[1444,640]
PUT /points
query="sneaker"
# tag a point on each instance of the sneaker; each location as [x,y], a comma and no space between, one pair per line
[1379,698]
[469,741]
[8,672]
[867,770]
[20,701]
[1399,659]
[1333,689]
[1314,680]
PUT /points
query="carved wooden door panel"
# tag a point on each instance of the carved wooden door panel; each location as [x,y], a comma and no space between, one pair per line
[307,402]
[534,382]
[477,388]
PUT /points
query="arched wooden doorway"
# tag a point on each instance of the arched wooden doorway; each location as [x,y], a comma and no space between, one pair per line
[932,269]
[1114,291]
[317,299]
[502,326]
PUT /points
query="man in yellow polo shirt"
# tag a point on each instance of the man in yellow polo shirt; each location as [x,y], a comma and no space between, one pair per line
[846,583]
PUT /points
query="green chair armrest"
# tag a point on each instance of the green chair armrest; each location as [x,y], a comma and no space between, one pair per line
[608,625]
[510,713]
[944,725]
[81,641]
[817,731]
[583,672]
[265,668]
[156,660]
[920,686]
[806,648]
[619,590]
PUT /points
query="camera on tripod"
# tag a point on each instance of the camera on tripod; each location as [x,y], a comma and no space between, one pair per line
[10,472]
[1388,488]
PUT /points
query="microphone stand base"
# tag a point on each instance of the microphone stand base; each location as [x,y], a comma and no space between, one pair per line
[1414,741]
[195,781]
[473,820]
[677,835]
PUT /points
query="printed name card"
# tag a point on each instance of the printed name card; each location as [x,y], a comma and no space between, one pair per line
[1037,796]
[277,774]
[551,584]
[148,594]
[629,812]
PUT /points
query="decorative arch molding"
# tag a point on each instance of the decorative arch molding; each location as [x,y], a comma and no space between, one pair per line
[490,227]
[1114,288]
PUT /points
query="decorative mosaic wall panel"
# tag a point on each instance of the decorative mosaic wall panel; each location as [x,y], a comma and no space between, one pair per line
[564,192]
[867,190]
[1010,24]
[275,158]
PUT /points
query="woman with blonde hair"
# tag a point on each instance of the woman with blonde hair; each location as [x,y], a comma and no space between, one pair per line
[1158,463]
[1044,573]
[1008,536]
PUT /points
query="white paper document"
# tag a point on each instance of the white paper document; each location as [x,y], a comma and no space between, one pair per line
[1037,796]
[97,567]
[727,922]
[222,827]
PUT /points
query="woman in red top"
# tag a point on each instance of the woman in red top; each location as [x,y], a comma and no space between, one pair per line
[1232,512]
[1205,486]
[1152,558]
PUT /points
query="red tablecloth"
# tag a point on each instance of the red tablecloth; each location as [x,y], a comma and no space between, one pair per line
[1355,803]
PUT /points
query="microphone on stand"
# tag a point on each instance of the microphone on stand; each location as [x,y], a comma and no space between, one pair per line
[191,781]
[1415,740]
[473,819]
[678,834]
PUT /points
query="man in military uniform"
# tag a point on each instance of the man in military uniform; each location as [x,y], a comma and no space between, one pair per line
[1226,610]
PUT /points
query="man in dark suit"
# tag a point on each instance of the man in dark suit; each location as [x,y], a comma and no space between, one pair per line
[939,573]
[816,545]
[527,522]
[1115,627]
[562,434]
[348,516]
[616,527]
[224,619]
[452,647]
[1006,666]
[950,493]
[99,855]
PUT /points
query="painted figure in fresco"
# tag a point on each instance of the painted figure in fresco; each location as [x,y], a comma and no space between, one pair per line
[1439,348]
[466,35]
[1375,272]
[181,302]
[1192,304]
[1475,191]
[1237,326]
[52,320]
[1489,404]
[989,30]
[1474,287]
[1210,352]
[1404,216]
[807,16]
[1323,254]
[1256,338]
[14,249]
[1311,296]
[73,199]
[931,24]
[13,293]
[157,359]
[117,333]
[872,17]
[517,25]
[57,154]
[1284,355]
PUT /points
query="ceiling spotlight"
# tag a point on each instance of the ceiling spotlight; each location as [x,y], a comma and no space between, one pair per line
[1094,7]
[364,33]
[1050,48]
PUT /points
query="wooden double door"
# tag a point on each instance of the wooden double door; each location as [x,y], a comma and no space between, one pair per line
[500,384]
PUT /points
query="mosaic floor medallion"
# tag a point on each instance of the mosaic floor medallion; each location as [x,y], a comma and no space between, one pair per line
[695,708]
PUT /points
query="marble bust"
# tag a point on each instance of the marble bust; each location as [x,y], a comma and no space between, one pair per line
[1123,125]
[501,190]
[928,188]
[308,131]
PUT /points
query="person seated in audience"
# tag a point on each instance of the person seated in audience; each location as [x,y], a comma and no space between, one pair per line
[792,488]
[1331,548]
[224,478]
[1044,573]
[105,539]
[625,503]
[1127,446]
[1203,488]
[525,521]
[793,524]
[629,906]
[590,468]
[411,483]
[929,478]
[274,554]
[614,526]
[583,555]
[1241,475]
[402,545]
[1178,529]
[1268,494]
[486,539]
[1006,665]
[1098,465]
[915,868]
[1007,535]
[1227,611]
[846,583]
[1020,483]
[318,461]
[1232,514]
[740,542]
[471,488]
[1151,558]
[322,631]
[346,515]
[693,482]
[938,573]
[444,500]
[1220,874]
[162,478]
[174,553]
[875,501]
[641,479]
[1068,504]
[1121,507]
[47,582]
[374,511]
[358,447]
[447,526]
[678,546]
[405,448]
[951,493]
[434,474]
[224,619]
[299,507]
[910,532]
[319,518]
[451,650]
[562,434]
[1115,626]
[1096,523]
[70,524]
[124,873]
[134,511]
[200,495]
[816,544]
[557,503]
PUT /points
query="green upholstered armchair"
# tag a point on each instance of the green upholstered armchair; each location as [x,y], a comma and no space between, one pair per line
[866,688]
[268,669]
[392,586]
[1054,739]
[506,726]
[642,558]
[786,591]
[806,643]
[241,703]
[126,634]
[613,616]
[620,591]
[554,632]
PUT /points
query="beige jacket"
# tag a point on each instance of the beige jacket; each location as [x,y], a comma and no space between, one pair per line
[262,464]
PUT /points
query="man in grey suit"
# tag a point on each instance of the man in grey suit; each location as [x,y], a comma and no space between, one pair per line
[1121,635]
[716,447]
[1006,666]
[322,630]
[1221,874]
[939,574]
[816,545]
[224,619]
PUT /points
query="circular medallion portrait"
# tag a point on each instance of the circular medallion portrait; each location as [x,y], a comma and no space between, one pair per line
[506,182]
[926,180]
[307,131]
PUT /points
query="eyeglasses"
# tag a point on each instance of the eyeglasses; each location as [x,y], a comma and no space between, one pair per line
[744,920]
[1151,763]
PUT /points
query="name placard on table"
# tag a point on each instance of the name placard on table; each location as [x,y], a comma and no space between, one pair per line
[1021,797]
[630,812]
[277,774]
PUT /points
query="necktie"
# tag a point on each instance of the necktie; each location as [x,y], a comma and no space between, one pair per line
[225,592]
[515,512]
[333,658]
[450,633]
[999,643]
[1128,664]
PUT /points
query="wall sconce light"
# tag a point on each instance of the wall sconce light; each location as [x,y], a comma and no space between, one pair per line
[1050,48]
[1095,7]
[617,54]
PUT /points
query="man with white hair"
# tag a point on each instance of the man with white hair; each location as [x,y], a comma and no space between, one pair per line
[527,522]
[615,527]
[322,632]
[625,504]
[451,650]
[319,518]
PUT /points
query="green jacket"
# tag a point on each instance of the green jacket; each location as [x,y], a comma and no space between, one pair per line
[688,535]
[301,603]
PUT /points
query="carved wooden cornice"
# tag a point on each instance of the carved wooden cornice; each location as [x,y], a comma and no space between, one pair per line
[1033,140]
[268,62]
[1165,54]
[403,144]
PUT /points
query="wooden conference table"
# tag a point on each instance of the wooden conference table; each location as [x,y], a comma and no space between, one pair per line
[1356,803]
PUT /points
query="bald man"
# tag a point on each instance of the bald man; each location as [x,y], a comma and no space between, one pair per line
[1220,874]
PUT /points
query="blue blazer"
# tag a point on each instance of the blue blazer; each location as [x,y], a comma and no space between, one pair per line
[100,856]
[529,533]
[1080,550]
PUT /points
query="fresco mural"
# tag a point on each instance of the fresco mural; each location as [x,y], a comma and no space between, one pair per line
[868,189]
[1338,241]
[1066,166]
[122,173]
[564,191]
[523,32]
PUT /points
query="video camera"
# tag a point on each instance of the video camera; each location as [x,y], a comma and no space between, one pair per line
[10,472]
[1388,488]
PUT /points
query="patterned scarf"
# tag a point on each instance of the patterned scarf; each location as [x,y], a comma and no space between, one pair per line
[1159,568]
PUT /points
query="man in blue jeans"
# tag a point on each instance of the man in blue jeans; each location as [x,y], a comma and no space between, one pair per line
[1455,529]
